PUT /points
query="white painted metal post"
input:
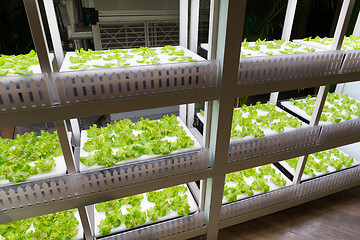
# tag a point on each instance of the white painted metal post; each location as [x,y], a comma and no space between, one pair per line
[74,123]
[62,131]
[212,49]
[342,24]
[356,31]
[184,9]
[194,25]
[54,31]
[38,35]
[231,22]
[340,31]
[289,20]
[85,217]
[314,121]
[286,33]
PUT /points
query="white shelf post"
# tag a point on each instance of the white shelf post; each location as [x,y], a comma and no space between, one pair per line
[340,31]
[54,31]
[184,9]
[62,131]
[286,33]
[314,121]
[38,35]
[193,42]
[228,53]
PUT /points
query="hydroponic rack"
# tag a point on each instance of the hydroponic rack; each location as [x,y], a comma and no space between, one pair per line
[219,81]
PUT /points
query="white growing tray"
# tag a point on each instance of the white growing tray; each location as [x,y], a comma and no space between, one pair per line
[144,206]
[251,179]
[84,138]
[267,131]
[79,235]
[163,59]
[306,177]
[59,169]
[290,106]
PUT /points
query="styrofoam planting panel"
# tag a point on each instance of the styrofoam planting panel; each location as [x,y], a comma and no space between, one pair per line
[35,193]
[24,92]
[122,176]
[114,83]
[241,150]
[164,229]
[351,62]
[286,194]
[340,130]
[274,68]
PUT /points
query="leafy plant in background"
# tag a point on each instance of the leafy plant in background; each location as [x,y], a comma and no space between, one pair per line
[61,225]
[28,155]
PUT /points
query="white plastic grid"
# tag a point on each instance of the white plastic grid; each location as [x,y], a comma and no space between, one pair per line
[111,178]
[294,192]
[35,193]
[340,130]
[274,68]
[24,92]
[114,83]
[164,229]
[241,150]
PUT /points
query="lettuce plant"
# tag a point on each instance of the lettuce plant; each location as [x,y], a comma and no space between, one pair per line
[61,225]
[28,155]
[248,122]
[19,64]
[320,161]
[261,176]
[165,200]
[338,107]
[118,142]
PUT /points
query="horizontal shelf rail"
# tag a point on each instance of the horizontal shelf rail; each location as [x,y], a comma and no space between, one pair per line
[30,199]
[88,109]
[263,87]
[295,66]
[250,208]
[241,150]
[291,153]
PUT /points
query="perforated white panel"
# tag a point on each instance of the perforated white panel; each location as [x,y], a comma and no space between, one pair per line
[95,85]
[339,130]
[241,150]
[24,92]
[274,68]
[283,195]
[92,182]
[37,192]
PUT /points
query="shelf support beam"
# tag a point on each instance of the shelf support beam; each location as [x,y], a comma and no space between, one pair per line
[314,121]
[62,131]
[231,22]
[38,34]
[54,31]
[286,33]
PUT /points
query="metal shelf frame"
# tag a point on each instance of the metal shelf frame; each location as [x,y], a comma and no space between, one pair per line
[225,36]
